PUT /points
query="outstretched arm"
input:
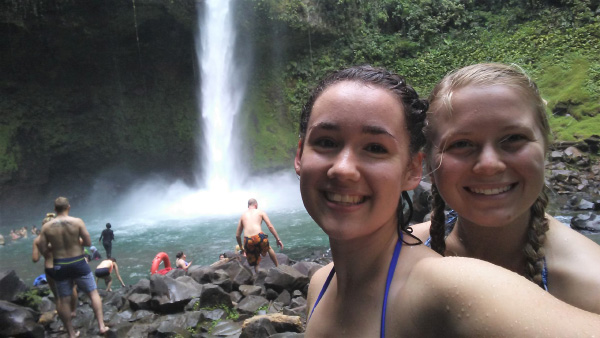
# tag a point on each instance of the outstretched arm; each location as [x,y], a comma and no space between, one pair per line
[272,229]
[238,234]
[468,297]
[118,275]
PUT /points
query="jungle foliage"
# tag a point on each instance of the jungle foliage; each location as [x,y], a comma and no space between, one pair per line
[556,42]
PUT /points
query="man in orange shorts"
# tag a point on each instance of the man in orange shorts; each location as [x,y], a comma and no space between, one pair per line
[256,242]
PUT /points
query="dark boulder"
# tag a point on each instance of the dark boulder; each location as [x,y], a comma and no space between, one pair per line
[18,321]
[285,277]
[10,285]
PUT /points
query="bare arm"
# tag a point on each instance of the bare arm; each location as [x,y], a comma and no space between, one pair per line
[272,229]
[468,297]
[238,234]
[84,235]
[43,241]
[118,275]
[35,254]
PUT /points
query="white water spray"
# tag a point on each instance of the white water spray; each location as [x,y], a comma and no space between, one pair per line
[221,95]
[225,189]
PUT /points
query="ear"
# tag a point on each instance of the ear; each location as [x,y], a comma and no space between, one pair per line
[414,172]
[298,157]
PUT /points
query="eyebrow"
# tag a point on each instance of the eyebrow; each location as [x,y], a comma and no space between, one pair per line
[373,130]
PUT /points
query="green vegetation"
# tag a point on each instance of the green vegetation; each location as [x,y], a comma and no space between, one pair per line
[556,43]
[132,105]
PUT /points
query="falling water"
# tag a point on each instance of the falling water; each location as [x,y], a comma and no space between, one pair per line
[224,186]
[220,95]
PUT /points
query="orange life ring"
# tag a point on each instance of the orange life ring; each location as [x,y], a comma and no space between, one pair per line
[161,257]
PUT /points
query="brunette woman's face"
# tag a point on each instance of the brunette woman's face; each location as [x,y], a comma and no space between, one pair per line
[354,161]
[488,155]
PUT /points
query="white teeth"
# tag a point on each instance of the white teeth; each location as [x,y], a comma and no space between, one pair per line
[344,198]
[494,191]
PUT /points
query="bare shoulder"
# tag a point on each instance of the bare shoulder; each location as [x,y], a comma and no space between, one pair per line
[470,297]
[421,230]
[316,283]
[572,260]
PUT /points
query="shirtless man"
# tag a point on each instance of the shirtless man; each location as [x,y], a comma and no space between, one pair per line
[256,243]
[63,233]
[104,269]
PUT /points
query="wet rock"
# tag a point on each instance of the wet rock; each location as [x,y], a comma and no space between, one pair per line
[10,285]
[139,301]
[307,268]
[572,154]
[251,304]
[172,295]
[175,273]
[226,328]
[236,296]
[213,295]
[284,297]
[18,321]
[297,302]
[141,330]
[248,290]
[271,294]
[285,277]
[215,314]
[177,324]
[143,316]
[258,327]
[585,205]
[221,279]
[587,222]
[142,286]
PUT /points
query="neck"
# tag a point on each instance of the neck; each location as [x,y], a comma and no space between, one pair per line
[363,261]
[500,245]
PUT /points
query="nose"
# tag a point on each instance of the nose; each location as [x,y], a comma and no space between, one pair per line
[344,166]
[489,161]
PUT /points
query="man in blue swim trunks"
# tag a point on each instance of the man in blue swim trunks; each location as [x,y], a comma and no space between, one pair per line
[63,233]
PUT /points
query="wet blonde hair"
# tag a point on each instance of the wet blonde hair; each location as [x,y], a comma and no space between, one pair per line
[482,75]
[48,218]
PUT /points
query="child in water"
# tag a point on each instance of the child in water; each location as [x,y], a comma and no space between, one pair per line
[360,135]
[487,139]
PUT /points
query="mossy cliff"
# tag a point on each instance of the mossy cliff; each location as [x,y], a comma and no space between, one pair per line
[106,89]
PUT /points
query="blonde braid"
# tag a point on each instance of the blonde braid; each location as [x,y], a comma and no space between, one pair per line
[534,249]
[437,230]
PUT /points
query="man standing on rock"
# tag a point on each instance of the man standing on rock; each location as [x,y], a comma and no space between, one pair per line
[256,243]
[63,233]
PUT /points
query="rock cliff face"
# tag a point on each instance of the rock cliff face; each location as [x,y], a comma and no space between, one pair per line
[96,94]
[94,89]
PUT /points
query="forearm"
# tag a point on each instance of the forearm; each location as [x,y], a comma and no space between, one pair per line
[239,241]
[274,232]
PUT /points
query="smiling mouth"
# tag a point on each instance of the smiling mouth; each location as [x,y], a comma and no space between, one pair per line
[489,192]
[344,199]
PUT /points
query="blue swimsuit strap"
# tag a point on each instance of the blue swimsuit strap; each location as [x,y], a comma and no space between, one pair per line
[390,276]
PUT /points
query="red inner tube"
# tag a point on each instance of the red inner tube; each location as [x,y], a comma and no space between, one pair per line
[161,257]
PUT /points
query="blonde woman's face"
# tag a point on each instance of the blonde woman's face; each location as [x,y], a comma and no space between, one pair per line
[488,155]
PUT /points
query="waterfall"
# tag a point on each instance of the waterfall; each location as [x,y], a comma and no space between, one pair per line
[224,189]
[220,96]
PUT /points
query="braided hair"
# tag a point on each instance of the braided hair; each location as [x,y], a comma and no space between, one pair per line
[488,74]
[414,109]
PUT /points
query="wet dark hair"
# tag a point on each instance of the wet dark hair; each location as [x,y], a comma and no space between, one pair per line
[179,254]
[113,259]
[108,226]
[414,109]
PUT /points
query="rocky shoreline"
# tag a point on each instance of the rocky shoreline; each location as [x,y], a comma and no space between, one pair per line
[227,300]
